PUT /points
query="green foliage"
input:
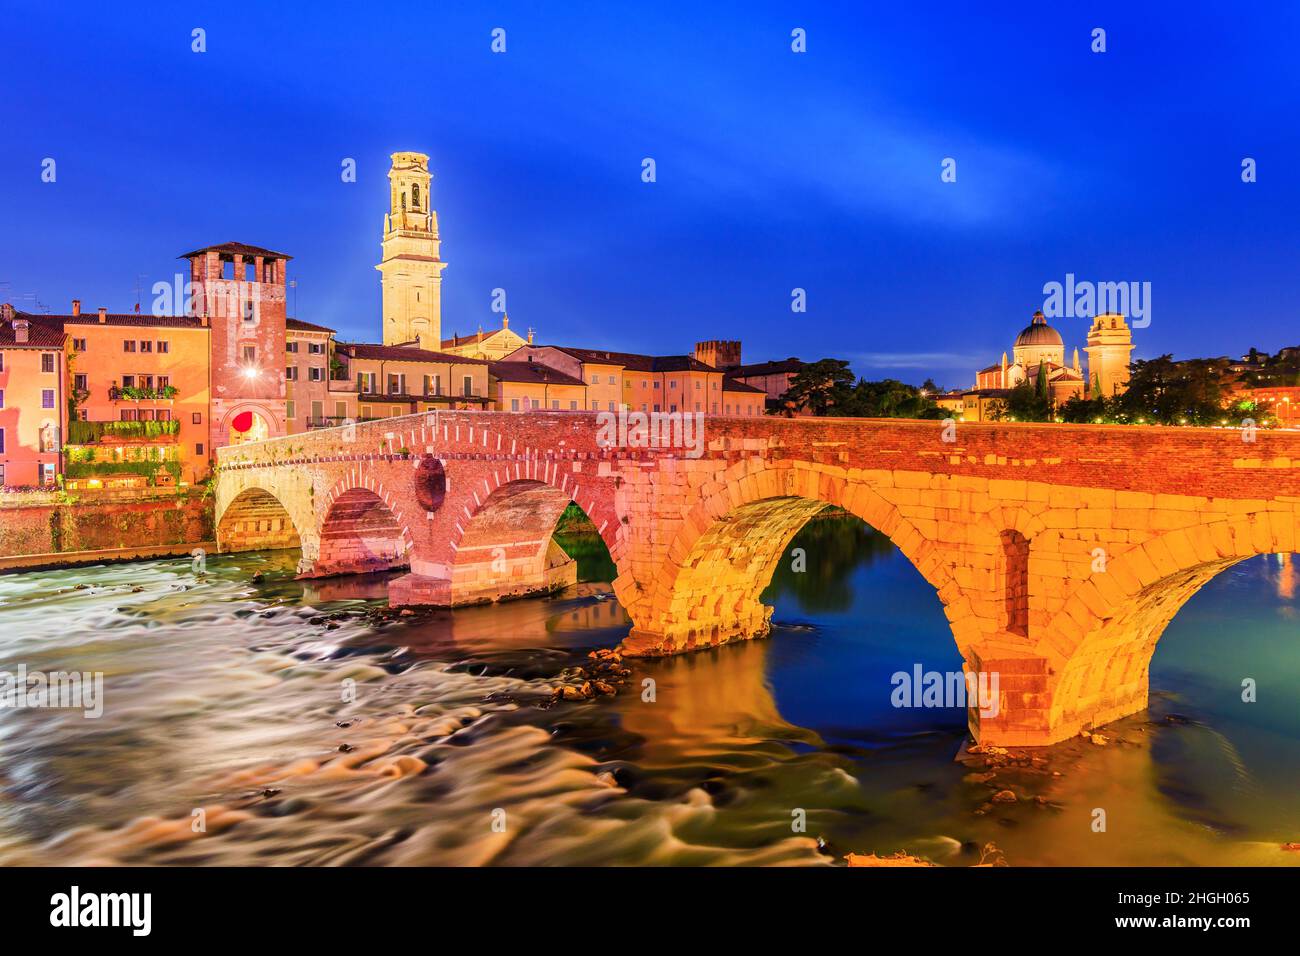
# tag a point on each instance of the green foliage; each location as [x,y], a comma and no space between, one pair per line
[84,433]
[829,388]
[98,469]
[1025,403]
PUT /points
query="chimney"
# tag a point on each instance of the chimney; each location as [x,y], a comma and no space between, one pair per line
[20,331]
[505,321]
[76,307]
[530,336]
[103,315]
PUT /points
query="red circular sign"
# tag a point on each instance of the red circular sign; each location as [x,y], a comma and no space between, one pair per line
[242,422]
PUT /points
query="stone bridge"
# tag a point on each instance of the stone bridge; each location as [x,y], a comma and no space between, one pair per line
[1059,552]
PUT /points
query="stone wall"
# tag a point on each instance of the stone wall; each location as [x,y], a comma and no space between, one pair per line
[49,526]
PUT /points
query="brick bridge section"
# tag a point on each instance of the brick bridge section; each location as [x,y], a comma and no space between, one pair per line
[1059,553]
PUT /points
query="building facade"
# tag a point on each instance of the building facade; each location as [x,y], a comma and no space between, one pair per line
[33,400]
[1038,353]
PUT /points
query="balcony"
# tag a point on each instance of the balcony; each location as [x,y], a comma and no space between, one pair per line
[93,433]
[128,393]
[326,421]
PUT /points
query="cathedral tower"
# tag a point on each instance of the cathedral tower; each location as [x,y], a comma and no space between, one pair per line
[411,270]
[1110,343]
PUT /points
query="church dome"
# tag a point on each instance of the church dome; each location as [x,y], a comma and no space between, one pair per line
[1039,333]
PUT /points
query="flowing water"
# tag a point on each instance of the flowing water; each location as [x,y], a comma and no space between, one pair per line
[273,721]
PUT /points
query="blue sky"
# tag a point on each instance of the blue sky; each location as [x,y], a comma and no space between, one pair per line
[775,170]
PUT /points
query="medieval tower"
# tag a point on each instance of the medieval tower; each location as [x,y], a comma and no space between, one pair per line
[1110,343]
[410,268]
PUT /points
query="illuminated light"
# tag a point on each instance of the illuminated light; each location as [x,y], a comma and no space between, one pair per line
[250,372]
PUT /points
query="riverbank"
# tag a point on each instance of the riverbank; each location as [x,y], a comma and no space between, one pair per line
[45,529]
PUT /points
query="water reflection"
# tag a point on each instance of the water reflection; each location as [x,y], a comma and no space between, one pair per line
[225,694]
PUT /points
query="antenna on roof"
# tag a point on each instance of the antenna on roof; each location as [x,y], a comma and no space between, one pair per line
[138,277]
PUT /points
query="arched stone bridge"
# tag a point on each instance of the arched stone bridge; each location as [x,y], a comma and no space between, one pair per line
[1059,552]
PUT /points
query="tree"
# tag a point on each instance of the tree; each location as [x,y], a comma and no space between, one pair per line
[821,388]
[1023,403]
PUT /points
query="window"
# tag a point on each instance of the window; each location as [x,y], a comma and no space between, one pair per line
[611,380]
[248,310]
[315,348]
[47,474]
[128,345]
[555,404]
[395,411]
[415,195]
[146,415]
[366,383]
[365,412]
[291,373]
[318,411]
[79,381]
[198,449]
[396,384]
[595,406]
[250,354]
[595,379]
[673,384]
[164,381]
[514,404]
[163,415]
[78,345]
[128,415]
[196,418]
[2,446]
[341,410]
[469,385]
[611,407]
[47,398]
[656,386]
[47,361]
[317,373]
[289,408]
[2,398]
[291,347]
[128,381]
[163,347]
[146,345]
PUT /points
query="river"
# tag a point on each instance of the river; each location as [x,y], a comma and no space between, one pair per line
[253,719]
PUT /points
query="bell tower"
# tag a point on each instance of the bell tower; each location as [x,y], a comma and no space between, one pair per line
[1110,343]
[410,267]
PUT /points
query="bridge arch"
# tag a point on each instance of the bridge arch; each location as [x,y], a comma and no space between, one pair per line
[708,586]
[361,529]
[505,547]
[256,520]
[1099,646]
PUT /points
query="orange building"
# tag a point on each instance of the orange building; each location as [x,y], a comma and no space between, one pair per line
[139,390]
[1281,402]
[532,386]
[33,404]
[647,383]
